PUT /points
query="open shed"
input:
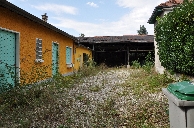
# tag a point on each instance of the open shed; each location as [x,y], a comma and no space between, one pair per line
[119,50]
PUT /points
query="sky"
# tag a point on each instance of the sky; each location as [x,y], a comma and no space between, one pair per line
[94,17]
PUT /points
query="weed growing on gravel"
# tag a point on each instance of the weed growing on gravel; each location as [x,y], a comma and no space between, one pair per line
[92,97]
[147,108]
[20,104]
[95,88]
[88,69]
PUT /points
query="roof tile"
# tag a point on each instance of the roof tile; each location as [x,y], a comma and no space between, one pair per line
[117,39]
[159,9]
[171,3]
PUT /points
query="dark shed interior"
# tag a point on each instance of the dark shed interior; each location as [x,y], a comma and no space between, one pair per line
[119,50]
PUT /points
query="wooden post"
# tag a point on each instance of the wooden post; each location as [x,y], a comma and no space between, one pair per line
[93,52]
[128,64]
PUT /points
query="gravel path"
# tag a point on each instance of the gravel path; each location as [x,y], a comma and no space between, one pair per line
[95,91]
[91,98]
[98,88]
[110,99]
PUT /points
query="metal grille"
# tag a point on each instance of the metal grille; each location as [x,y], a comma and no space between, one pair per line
[39,49]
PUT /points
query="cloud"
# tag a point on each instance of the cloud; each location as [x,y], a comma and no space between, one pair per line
[138,3]
[81,27]
[58,9]
[92,4]
[137,12]
[128,24]
[122,27]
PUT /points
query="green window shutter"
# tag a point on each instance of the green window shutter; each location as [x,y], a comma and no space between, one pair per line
[68,55]
[55,58]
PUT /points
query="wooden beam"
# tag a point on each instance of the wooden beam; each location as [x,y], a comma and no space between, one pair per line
[140,50]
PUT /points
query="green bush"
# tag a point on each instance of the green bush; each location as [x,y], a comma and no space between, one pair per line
[149,63]
[136,64]
[175,39]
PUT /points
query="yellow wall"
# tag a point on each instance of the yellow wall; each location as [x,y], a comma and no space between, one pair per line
[79,50]
[29,31]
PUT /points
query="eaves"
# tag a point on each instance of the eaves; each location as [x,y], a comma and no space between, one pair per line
[13,8]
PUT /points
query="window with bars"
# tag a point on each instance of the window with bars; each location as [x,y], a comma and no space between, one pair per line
[39,50]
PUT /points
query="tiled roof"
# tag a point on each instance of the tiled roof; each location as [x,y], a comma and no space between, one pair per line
[159,9]
[171,3]
[117,39]
[12,7]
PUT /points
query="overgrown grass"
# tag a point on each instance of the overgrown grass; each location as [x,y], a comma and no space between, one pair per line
[149,108]
[93,97]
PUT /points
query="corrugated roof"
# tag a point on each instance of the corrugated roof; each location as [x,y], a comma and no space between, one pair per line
[117,39]
[159,9]
[12,7]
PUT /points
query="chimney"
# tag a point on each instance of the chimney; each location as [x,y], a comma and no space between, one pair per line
[44,17]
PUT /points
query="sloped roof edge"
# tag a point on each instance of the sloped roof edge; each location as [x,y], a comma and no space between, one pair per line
[159,9]
[117,39]
[157,12]
[12,7]
[83,46]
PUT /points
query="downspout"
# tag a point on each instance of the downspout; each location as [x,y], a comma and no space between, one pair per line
[74,49]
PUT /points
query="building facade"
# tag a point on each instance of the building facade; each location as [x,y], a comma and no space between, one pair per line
[32,49]
[160,11]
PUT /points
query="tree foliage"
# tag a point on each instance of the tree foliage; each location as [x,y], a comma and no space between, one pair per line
[82,35]
[142,30]
[175,39]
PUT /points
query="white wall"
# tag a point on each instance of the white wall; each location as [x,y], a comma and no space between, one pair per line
[158,67]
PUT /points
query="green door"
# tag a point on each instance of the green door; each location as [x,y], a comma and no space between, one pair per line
[55,59]
[7,58]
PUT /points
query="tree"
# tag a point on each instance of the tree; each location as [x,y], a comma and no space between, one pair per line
[82,35]
[175,39]
[142,30]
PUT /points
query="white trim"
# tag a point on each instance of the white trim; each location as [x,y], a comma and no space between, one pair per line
[70,65]
[55,42]
[168,9]
[39,60]
[9,30]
